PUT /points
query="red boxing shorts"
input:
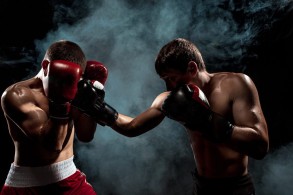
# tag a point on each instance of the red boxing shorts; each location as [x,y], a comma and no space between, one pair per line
[59,178]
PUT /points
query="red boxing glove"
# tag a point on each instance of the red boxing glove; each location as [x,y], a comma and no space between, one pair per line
[199,96]
[96,71]
[60,85]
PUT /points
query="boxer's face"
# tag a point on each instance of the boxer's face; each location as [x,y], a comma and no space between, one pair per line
[174,78]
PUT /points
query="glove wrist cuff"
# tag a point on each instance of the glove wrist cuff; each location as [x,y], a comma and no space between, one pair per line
[108,116]
[220,128]
[59,110]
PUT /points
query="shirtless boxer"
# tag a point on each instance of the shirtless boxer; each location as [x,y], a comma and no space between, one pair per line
[42,123]
[222,115]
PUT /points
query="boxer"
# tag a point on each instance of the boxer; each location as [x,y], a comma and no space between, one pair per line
[220,111]
[42,123]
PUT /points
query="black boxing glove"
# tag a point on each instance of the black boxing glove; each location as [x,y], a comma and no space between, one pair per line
[188,105]
[90,100]
[95,74]
[90,95]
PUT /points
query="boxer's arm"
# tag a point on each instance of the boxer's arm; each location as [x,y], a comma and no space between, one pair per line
[20,107]
[142,123]
[250,134]
[85,126]
[36,115]
[60,81]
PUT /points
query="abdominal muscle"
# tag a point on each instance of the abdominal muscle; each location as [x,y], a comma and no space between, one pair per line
[33,153]
[216,160]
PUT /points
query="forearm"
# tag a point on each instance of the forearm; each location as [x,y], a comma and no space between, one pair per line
[132,127]
[85,126]
[56,133]
[123,125]
[249,141]
[38,125]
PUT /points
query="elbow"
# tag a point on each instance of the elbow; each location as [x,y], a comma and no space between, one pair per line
[85,139]
[129,134]
[129,131]
[261,151]
[133,135]
[259,156]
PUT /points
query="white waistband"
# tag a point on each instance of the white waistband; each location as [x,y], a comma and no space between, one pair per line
[20,176]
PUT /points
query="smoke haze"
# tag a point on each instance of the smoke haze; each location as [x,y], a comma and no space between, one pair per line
[126,36]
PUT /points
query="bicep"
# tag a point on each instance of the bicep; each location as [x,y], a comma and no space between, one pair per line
[247,111]
[140,124]
[151,117]
[148,119]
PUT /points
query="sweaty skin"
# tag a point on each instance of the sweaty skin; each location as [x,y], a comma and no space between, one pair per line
[43,125]
[234,96]
[40,140]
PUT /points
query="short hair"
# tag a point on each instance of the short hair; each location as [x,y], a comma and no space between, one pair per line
[176,55]
[66,50]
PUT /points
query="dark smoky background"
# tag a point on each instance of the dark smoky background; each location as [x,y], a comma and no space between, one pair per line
[254,37]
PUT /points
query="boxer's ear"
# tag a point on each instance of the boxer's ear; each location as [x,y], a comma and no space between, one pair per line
[192,67]
[45,65]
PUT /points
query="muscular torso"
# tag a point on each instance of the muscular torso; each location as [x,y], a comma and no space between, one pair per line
[219,159]
[216,160]
[38,140]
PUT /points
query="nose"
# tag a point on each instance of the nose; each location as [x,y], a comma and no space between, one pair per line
[170,86]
